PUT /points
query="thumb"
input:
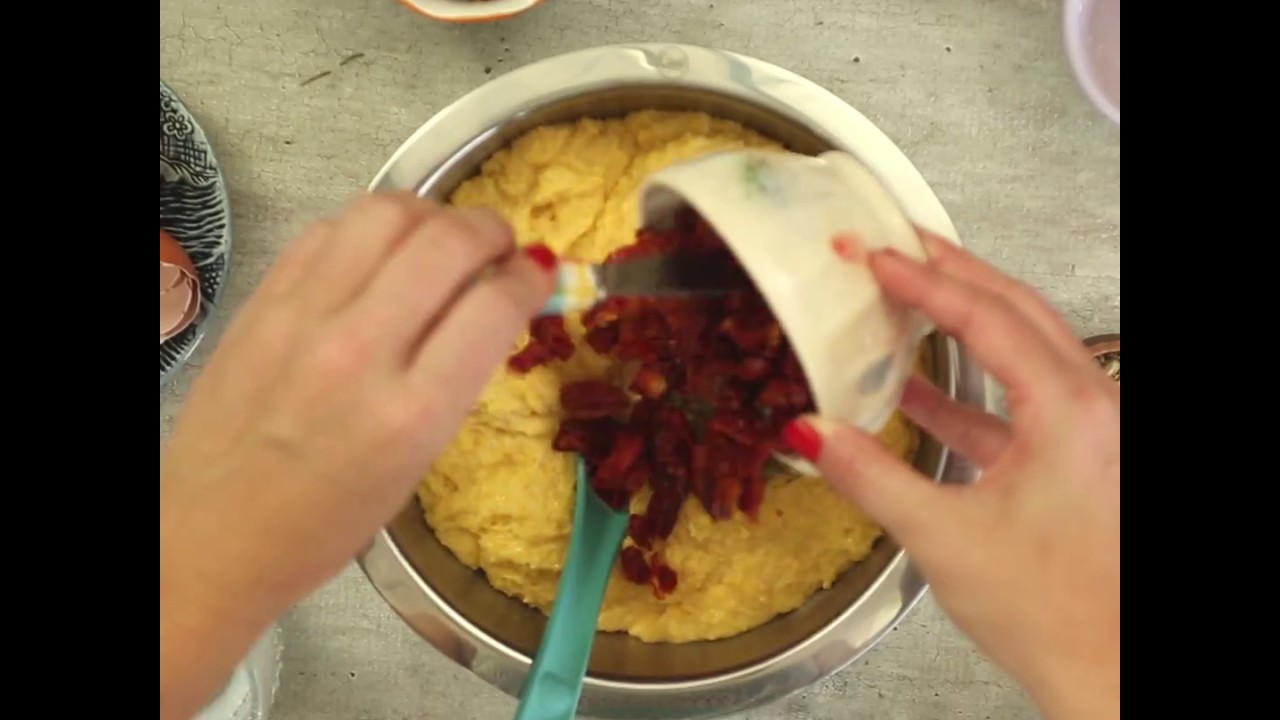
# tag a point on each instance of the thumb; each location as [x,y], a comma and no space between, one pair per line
[911,507]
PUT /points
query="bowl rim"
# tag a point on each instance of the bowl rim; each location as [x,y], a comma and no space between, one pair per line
[470,11]
[429,152]
[1073,21]
[1102,344]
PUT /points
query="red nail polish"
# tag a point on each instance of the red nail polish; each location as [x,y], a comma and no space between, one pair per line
[803,439]
[542,255]
[849,247]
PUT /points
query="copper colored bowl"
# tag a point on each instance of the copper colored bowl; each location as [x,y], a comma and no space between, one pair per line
[1102,346]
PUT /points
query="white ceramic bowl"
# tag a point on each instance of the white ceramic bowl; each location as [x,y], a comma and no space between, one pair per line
[470,11]
[780,212]
[1092,31]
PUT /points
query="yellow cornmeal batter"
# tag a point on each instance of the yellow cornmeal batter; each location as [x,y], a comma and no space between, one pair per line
[502,499]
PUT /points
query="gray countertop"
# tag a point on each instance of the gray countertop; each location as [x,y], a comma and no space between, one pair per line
[976,92]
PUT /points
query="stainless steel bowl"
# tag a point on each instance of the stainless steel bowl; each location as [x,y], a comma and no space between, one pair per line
[455,608]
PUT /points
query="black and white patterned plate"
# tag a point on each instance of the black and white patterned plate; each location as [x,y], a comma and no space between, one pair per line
[194,209]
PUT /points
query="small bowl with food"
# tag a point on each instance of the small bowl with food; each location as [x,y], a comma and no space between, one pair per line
[1105,350]
[803,227]
[738,583]
[470,11]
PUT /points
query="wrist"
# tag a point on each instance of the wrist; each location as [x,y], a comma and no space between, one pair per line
[201,641]
[212,605]
[218,552]
[1088,690]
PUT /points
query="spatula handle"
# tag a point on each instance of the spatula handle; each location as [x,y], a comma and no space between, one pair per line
[554,685]
[577,289]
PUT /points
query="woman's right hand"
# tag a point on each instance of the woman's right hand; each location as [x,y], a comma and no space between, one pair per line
[1027,560]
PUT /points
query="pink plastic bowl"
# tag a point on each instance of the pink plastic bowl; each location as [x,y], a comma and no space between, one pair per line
[1092,30]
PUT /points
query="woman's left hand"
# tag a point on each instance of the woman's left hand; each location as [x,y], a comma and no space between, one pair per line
[345,373]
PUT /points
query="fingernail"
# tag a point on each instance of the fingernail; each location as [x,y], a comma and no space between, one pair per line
[894,258]
[918,394]
[542,255]
[893,253]
[932,242]
[849,248]
[486,220]
[803,437]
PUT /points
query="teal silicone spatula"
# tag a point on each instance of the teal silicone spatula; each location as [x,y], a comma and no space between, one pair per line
[554,684]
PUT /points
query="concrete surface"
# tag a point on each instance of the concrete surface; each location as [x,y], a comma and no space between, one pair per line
[977,92]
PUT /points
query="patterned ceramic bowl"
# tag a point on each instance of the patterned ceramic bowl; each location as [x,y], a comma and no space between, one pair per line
[193,209]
